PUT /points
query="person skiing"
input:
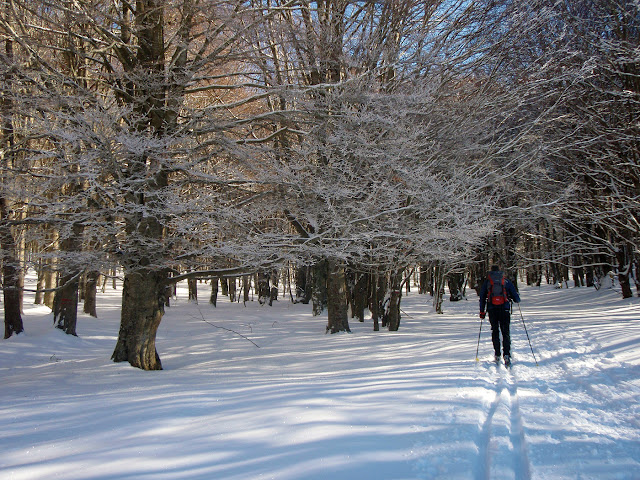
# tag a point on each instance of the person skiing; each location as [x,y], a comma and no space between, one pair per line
[496,295]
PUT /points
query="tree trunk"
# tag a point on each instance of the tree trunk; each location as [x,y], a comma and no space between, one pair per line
[12,282]
[319,291]
[303,285]
[192,285]
[232,289]
[456,284]
[624,268]
[12,315]
[213,298]
[263,288]
[38,297]
[273,290]
[90,293]
[142,311]
[50,277]
[393,305]
[246,286]
[374,301]
[11,271]
[338,320]
[438,287]
[65,311]
[358,294]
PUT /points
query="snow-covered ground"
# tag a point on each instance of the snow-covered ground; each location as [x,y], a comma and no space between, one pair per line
[299,404]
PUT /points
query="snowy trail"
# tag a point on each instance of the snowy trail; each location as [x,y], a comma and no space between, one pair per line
[501,441]
[521,459]
[407,405]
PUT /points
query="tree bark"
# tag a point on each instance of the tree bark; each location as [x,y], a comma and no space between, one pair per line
[213,298]
[264,292]
[392,312]
[90,293]
[374,301]
[142,311]
[192,284]
[11,271]
[438,289]
[232,289]
[456,284]
[358,294]
[624,268]
[246,286]
[319,291]
[65,301]
[303,285]
[338,320]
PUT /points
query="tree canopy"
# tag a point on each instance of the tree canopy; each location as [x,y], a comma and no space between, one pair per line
[169,139]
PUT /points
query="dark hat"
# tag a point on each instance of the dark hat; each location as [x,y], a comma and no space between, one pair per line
[495,268]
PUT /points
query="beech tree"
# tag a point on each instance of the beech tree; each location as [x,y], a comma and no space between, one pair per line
[137,126]
[354,140]
[9,160]
[373,98]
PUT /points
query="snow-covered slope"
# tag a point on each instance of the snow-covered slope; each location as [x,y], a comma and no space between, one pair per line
[294,403]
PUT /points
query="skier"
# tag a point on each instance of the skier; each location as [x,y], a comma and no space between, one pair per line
[496,295]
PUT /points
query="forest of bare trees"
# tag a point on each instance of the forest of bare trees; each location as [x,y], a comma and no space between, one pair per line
[344,145]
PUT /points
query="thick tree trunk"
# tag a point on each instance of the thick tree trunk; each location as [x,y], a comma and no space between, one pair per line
[392,313]
[142,311]
[246,287]
[456,285]
[11,272]
[213,298]
[358,294]
[338,320]
[90,293]
[426,279]
[65,310]
[12,315]
[49,283]
[273,290]
[192,285]
[303,285]
[625,260]
[232,289]
[11,281]
[264,292]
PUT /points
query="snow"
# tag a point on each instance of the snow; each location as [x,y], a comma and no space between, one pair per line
[412,404]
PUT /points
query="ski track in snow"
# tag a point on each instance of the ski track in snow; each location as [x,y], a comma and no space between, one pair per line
[582,384]
[407,405]
[574,415]
[501,441]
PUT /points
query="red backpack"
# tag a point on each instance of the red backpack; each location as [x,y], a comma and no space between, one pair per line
[497,292]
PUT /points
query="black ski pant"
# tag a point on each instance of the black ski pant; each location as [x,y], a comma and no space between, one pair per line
[500,320]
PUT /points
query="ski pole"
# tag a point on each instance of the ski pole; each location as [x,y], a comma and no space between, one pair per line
[525,331]
[478,347]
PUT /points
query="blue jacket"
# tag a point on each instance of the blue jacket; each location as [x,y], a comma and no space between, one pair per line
[512,294]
